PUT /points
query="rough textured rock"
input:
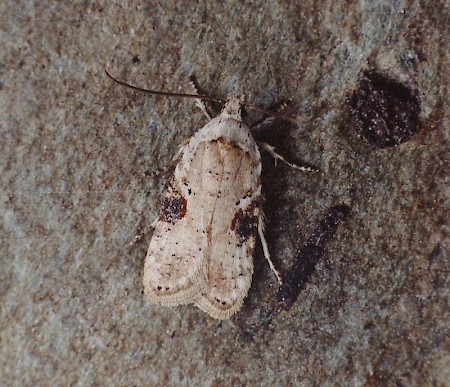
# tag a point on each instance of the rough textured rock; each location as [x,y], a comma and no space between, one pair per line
[84,163]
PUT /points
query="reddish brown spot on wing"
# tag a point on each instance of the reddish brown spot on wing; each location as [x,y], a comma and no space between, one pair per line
[227,144]
[245,223]
[174,207]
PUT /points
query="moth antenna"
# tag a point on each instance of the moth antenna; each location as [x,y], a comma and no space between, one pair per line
[165,93]
[273,114]
[204,97]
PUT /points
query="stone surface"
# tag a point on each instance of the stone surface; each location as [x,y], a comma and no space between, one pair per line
[84,163]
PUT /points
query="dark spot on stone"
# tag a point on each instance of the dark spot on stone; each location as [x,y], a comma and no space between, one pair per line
[136,59]
[387,111]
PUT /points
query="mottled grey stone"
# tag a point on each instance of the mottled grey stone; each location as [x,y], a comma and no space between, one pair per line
[84,163]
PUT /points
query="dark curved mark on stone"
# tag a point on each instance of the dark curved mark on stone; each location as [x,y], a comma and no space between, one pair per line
[306,260]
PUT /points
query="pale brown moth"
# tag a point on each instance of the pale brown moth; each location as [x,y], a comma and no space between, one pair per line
[202,248]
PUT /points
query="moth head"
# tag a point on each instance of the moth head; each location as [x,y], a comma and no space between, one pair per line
[232,107]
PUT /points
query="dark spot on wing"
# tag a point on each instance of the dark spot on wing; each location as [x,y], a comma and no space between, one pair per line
[174,206]
[245,222]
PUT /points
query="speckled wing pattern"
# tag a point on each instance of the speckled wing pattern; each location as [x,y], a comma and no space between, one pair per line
[202,249]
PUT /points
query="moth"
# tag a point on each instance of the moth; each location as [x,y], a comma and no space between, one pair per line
[201,251]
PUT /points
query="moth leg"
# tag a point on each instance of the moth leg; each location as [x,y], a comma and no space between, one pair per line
[201,105]
[265,121]
[266,249]
[199,102]
[271,150]
[154,222]
[180,150]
